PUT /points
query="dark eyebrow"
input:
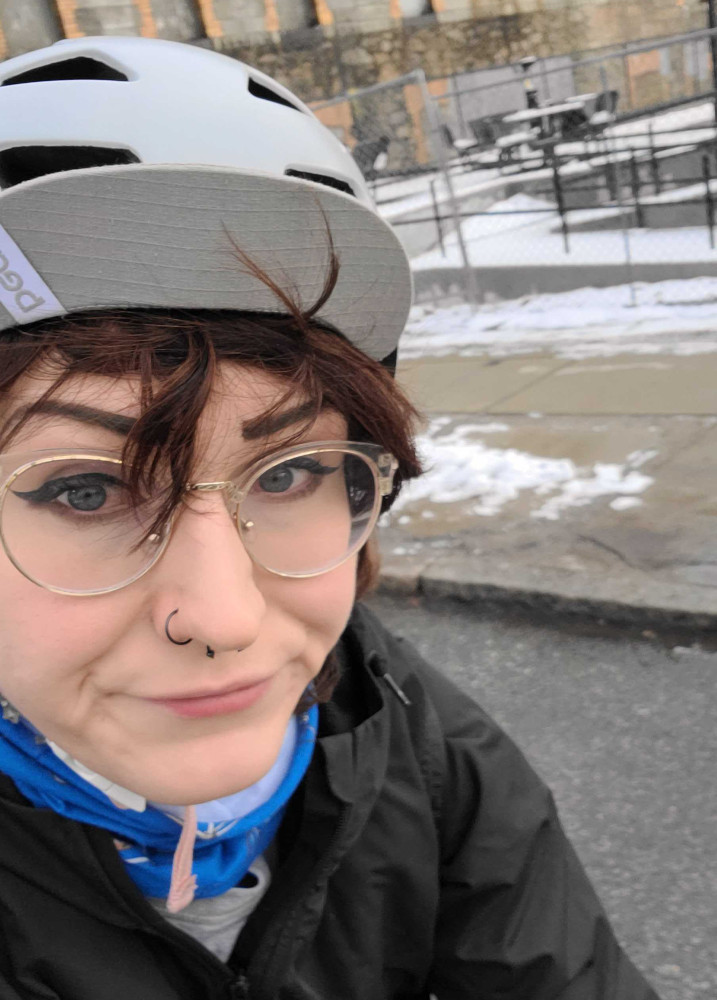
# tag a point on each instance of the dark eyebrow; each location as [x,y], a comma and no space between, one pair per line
[264,426]
[114,422]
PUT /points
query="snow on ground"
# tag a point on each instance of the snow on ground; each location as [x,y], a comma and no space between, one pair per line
[516,212]
[690,192]
[540,246]
[675,317]
[402,196]
[417,197]
[491,242]
[672,317]
[406,198]
[687,117]
[461,468]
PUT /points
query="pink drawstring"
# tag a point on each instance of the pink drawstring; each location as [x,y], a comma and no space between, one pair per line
[183,884]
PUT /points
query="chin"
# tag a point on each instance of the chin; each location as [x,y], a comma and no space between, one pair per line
[187,790]
[205,774]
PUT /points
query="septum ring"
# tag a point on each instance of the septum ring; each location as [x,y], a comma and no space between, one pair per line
[177,642]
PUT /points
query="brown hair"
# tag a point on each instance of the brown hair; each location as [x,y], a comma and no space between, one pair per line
[175,354]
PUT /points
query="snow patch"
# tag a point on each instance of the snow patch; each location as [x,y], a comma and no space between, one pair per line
[676,317]
[460,467]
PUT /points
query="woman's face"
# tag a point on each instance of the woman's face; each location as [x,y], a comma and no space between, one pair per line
[97,674]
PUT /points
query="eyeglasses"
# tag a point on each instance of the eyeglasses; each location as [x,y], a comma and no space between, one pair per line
[69,522]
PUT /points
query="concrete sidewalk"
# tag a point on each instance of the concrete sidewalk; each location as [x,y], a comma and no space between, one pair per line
[650,564]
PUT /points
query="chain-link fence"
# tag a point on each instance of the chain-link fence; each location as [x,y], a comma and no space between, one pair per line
[567,193]
[642,75]
[386,127]
[628,81]
[394,132]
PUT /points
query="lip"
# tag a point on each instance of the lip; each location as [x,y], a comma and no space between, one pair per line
[202,705]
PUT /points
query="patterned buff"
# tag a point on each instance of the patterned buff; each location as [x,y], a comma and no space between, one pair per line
[219,840]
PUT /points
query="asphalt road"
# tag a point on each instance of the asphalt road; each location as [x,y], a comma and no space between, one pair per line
[623,729]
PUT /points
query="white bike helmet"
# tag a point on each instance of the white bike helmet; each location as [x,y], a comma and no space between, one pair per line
[196,151]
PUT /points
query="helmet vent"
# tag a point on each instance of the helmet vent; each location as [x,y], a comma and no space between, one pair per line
[79,68]
[267,94]
[332,182]
[25,163]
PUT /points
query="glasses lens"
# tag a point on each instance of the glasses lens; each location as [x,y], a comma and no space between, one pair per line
[305,514]
[71,524]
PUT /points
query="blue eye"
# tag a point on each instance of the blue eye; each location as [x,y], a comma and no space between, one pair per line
[277,480]
[295,475]
[83,492]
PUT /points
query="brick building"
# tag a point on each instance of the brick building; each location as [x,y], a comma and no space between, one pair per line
[324,47]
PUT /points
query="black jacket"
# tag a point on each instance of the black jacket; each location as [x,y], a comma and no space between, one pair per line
[420,856]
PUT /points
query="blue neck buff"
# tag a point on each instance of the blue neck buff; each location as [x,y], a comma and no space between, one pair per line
[230,833]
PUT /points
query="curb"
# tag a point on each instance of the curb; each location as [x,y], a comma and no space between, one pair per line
[548,603]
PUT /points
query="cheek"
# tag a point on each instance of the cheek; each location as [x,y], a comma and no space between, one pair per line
[319,606]
[48,641]
[29,620]
[37,669]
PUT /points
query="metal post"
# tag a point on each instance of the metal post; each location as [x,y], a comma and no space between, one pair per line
[559,200]
[635,185]
[627,77]
[625,232]
[339,61]
[456,95]
[654,165]
[433,121]
[709,203]
[611,178]
[437,218]
[712,24]
[604,84]
[545,82]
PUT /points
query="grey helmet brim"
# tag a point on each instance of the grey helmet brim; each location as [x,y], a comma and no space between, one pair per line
[141,235]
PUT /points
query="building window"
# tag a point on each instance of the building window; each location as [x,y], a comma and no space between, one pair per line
[294,15]
[416,8]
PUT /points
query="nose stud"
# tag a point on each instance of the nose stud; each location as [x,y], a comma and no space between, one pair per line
[210,652]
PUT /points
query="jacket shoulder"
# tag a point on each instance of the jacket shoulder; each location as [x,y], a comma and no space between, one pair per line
[470,763]
[517,912]
[458,714]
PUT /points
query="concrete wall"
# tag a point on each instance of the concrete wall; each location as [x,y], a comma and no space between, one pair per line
[296,14]
[176,19]
[103,17]
[370,15]
[241,18]
[461,10]
[31,24]
[358,42]
[27,24]
[351,59]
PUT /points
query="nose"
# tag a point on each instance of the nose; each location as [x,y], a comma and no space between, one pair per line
[208,577]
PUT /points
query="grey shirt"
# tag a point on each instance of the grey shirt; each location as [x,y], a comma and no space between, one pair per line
[216,921]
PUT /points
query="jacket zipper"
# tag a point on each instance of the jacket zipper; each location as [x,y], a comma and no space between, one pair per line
[376,666]
[239,988]
[325,871]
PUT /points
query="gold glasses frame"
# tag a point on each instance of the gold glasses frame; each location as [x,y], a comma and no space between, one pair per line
[381,462]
